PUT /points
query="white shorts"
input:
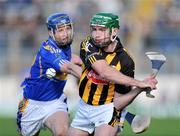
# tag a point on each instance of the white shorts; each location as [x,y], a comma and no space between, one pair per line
[88,117]
[32,114]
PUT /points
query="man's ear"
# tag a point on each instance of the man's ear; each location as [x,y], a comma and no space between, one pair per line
[115,31]
[114,34]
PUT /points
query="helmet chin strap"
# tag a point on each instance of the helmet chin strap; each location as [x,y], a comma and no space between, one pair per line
[52,33]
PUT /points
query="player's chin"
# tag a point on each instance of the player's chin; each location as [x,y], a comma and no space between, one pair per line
[67,41]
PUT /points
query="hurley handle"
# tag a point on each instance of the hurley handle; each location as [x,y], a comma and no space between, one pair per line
[148,93]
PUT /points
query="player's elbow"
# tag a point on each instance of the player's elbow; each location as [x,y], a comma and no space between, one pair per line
[104,75]
[102,68]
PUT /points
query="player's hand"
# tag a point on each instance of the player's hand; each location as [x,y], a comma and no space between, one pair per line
[151,79]
[149,82]
[76,59]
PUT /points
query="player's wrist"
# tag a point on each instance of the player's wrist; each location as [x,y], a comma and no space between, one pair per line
[139,84]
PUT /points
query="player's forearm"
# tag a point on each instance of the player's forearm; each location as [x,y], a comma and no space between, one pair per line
[119,78]
[111,74]
[75,70]
[71,68]
[76,59]
[115,76]
[121,101]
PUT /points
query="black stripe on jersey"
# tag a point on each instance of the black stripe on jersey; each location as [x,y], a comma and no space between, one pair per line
[122,89]
[82,86]
[91,93]
[104,54]
[104,94]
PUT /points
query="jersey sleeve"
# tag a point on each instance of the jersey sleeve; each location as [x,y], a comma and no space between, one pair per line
[89,53]
[53,58]
[127,69]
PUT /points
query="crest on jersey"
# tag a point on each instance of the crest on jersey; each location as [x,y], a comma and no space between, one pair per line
[47,47]
[86,46]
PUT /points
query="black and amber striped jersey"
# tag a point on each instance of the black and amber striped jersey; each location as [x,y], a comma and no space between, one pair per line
[93,89]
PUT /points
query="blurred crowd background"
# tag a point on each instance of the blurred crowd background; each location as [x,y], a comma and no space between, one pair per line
[145,25]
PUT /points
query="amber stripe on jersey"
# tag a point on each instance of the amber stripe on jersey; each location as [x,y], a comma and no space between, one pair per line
[92,59]
[98,94]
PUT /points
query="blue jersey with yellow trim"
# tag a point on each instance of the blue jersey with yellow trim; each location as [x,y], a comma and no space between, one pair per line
[37,86]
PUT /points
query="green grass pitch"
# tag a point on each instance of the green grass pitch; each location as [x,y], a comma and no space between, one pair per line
[158,127]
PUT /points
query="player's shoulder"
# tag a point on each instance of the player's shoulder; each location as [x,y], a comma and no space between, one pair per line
[127,53]
[45,46]
[48,48]
[88,46]
[47,51]
[85,41]
[125,57]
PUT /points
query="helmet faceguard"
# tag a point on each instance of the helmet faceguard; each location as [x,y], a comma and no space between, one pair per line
[56,22]
[105,20]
